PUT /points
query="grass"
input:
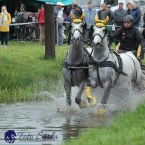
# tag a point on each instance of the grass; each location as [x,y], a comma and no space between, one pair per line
[126,129]
[24,72]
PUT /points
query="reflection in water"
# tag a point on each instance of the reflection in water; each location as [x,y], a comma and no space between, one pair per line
[47,117]
[42,117]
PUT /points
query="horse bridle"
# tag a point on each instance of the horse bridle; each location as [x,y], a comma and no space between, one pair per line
[99,34]
[77,30]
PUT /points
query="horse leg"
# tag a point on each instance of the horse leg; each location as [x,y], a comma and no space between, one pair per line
[91,99]
[67,88]
[107,90]
[81,104]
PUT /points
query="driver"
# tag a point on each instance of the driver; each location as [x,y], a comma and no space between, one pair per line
[130,37]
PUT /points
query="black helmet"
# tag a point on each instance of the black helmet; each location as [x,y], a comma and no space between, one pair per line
[128,18]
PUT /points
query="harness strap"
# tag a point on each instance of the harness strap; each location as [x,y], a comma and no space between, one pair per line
[108,64]
[66,65]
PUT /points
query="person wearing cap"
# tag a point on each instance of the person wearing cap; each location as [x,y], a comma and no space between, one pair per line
[102,13]
[89,19]
[110,15]
[136,14]
[77,11]
[58,16]
[119,15]
[74,6]
[130,36]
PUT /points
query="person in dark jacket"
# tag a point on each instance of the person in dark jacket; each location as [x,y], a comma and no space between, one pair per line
[78,9]
[136,14]
[74,8]
[102,13]
[110,15]
[130,36]
[119,15]
[129,8]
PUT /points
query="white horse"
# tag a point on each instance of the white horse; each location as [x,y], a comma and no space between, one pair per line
[76,58]
[108,70]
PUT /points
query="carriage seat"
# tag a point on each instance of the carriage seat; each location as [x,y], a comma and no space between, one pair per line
[138,53]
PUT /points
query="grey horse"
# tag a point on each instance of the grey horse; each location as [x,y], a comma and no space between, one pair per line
[76,58]
[108,69]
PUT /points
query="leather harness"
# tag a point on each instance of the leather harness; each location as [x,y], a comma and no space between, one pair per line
[105,63]
[68,66]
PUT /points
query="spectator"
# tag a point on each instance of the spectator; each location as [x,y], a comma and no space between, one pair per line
[119,15]
[74,8]
[102,13]
[78,12]
[5,18]
[129,8]
[136,14]
[110,15]
[58,16]
[89,19]
[41,26]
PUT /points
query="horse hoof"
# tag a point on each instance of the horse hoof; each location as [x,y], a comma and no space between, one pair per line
[82,104]
[66,110]
[92,101]
[101,111]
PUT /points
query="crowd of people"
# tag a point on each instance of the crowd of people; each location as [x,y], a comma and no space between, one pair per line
[116,18]
[62,14]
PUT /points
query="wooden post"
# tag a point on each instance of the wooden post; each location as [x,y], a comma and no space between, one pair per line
[49,31]
[57,31]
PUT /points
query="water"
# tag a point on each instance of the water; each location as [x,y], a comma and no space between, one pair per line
[32,119]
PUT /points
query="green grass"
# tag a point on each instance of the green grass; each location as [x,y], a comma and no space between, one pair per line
[24,72]
[126,129]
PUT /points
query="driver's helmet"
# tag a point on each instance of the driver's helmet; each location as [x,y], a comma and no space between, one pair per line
[128,18]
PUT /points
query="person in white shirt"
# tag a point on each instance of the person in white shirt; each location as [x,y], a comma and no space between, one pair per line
[58,16]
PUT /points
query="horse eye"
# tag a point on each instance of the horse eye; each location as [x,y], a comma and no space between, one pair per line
[104,30]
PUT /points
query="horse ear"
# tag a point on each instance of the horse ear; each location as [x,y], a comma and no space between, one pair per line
[82,16]
[72,16]
[96,18]
[106,20]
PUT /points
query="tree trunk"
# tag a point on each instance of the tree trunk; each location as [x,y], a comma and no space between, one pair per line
[49,31]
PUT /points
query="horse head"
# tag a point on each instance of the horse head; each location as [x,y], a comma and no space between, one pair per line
[77,26]
[99,30]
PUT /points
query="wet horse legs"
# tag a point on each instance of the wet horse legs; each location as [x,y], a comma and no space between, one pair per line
[107,90]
